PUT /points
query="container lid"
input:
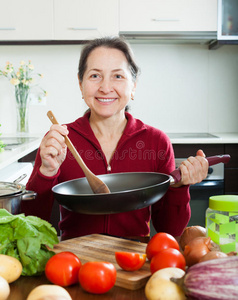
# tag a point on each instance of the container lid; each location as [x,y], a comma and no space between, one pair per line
[224,202]
[9,188]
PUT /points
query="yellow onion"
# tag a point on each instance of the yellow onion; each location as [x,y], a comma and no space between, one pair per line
[216,254]
[191,233]
[196,249]
[212,255]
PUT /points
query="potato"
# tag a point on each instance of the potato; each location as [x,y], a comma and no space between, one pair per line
[4,289]
[10,268]
[49,292]
[160,287]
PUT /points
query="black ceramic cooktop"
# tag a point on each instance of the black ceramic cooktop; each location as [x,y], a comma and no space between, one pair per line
[191,135]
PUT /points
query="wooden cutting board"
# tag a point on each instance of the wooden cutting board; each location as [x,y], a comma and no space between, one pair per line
[98,247]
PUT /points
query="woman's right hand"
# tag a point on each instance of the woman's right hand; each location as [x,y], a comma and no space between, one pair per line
[53,150]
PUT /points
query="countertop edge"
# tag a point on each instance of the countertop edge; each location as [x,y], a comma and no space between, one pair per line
[8,157]
[222,138]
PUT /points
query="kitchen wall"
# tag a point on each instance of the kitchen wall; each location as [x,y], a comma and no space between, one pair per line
[182,88]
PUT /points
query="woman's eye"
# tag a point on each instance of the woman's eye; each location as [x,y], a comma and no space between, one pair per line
[94,76]
[118,76]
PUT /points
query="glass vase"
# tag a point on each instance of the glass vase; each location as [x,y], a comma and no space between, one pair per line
[22,108]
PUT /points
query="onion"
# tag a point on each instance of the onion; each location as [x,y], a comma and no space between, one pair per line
[216,254]
[213,255]
[196,249]
[232,253]
[191,233]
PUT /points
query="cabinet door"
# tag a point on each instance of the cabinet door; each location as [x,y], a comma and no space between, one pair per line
[84,20]
[227,20]
[26,20]
[231,169]
[186,150]
[168,15]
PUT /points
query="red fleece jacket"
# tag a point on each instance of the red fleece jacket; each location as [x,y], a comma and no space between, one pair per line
[142,148]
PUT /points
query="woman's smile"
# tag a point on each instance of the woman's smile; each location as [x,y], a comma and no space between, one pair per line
[106,100]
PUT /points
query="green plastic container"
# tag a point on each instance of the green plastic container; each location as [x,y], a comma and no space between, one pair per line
[222,221]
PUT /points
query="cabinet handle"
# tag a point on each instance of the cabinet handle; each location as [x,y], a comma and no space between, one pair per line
[164,20]
[82,28]
[7,28]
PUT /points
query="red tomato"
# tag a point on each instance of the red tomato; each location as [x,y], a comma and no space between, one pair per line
[63,268]
[97,277]
[130,261]
[167,258]
[159,242]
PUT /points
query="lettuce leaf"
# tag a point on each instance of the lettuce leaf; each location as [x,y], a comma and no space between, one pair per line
[27,239]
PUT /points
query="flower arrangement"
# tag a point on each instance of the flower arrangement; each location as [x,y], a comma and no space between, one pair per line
[23,82]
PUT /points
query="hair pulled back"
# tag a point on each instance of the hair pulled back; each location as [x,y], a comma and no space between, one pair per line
[108,42]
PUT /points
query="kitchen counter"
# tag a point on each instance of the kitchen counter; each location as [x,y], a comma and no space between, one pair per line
[94,247]
[21,288]
[200,138]
[7,157]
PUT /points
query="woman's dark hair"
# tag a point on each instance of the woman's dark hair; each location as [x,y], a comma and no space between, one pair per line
[108,42]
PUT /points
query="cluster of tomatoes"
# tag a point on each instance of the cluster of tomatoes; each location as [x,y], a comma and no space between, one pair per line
[163,251]
[65,268]
[95,277]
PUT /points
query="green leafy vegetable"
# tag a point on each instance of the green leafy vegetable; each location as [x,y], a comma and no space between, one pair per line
[2,145]
[27,239]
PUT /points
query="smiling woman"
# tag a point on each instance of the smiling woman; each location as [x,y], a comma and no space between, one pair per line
[107,90]
[110,140]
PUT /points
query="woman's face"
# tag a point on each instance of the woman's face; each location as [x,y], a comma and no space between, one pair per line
[107,84]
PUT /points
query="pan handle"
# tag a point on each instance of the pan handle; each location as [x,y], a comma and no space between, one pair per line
[16,181]
[28,195]
[212,160]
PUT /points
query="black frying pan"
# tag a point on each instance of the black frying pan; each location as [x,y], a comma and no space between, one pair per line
[129,191]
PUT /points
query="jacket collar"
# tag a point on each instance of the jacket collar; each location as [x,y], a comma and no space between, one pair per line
[82,126]
[133,125]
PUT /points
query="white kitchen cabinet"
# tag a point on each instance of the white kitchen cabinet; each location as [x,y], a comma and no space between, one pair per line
[168,15]
[227,20]
[26,20]
[84,20]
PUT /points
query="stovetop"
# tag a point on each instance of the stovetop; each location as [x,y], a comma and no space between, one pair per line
[192,135]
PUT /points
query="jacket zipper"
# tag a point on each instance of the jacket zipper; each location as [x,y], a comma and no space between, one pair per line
[107,217]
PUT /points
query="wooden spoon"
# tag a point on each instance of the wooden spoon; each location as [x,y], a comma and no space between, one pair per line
[97,185]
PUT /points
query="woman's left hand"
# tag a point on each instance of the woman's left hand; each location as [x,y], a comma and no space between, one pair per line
[193,170]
